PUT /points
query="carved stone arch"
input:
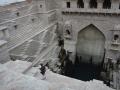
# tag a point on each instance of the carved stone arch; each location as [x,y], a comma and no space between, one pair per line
[101,29]
[91,43]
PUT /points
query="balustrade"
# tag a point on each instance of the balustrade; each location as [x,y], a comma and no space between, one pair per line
[93,6]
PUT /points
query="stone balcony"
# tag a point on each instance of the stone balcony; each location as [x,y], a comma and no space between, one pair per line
[90,11]
[115,43]
[115,47]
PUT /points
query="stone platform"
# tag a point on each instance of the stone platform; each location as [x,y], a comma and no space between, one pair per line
[11,78]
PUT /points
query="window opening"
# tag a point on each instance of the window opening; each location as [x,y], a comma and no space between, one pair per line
[68,32]
[15,26]
[18,14]
[68,4]
[107,4]
[93,4]
[40,6]
[32,19]
[80,4]
[116,37]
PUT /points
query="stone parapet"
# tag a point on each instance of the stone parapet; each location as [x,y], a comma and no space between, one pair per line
[87,11]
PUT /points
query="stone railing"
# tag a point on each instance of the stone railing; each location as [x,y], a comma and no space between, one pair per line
[90,11]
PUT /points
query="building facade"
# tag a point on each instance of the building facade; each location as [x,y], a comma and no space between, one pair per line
[94,27]
[90,27]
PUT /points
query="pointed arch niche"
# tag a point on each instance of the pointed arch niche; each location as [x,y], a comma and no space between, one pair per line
[91,44]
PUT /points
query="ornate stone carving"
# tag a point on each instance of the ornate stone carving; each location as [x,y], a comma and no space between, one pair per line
[68,30]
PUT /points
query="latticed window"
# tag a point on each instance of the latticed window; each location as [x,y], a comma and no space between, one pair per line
[107,4]
[68,4]
[80,4]
[93,3]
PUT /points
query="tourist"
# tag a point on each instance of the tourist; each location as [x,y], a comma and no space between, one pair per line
[43,70]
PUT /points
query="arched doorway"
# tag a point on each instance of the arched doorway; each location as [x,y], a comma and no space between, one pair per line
[90,45]
[90,53]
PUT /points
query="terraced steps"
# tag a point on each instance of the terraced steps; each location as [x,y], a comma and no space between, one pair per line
[37,30]
[24,36]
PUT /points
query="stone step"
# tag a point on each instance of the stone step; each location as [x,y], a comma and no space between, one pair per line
[40,57]
[24,31]
[25,48]
[24,37]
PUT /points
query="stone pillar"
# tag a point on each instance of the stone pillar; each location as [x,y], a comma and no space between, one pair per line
[74,4]
[100,4]
[86,4]
[115,4]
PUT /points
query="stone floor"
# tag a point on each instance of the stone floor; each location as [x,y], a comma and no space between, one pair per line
[12,79]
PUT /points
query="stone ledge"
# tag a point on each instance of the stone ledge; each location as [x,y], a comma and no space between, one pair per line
[91,11]
[2,42]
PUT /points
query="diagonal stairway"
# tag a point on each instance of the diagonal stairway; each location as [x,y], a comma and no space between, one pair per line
[14,42]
